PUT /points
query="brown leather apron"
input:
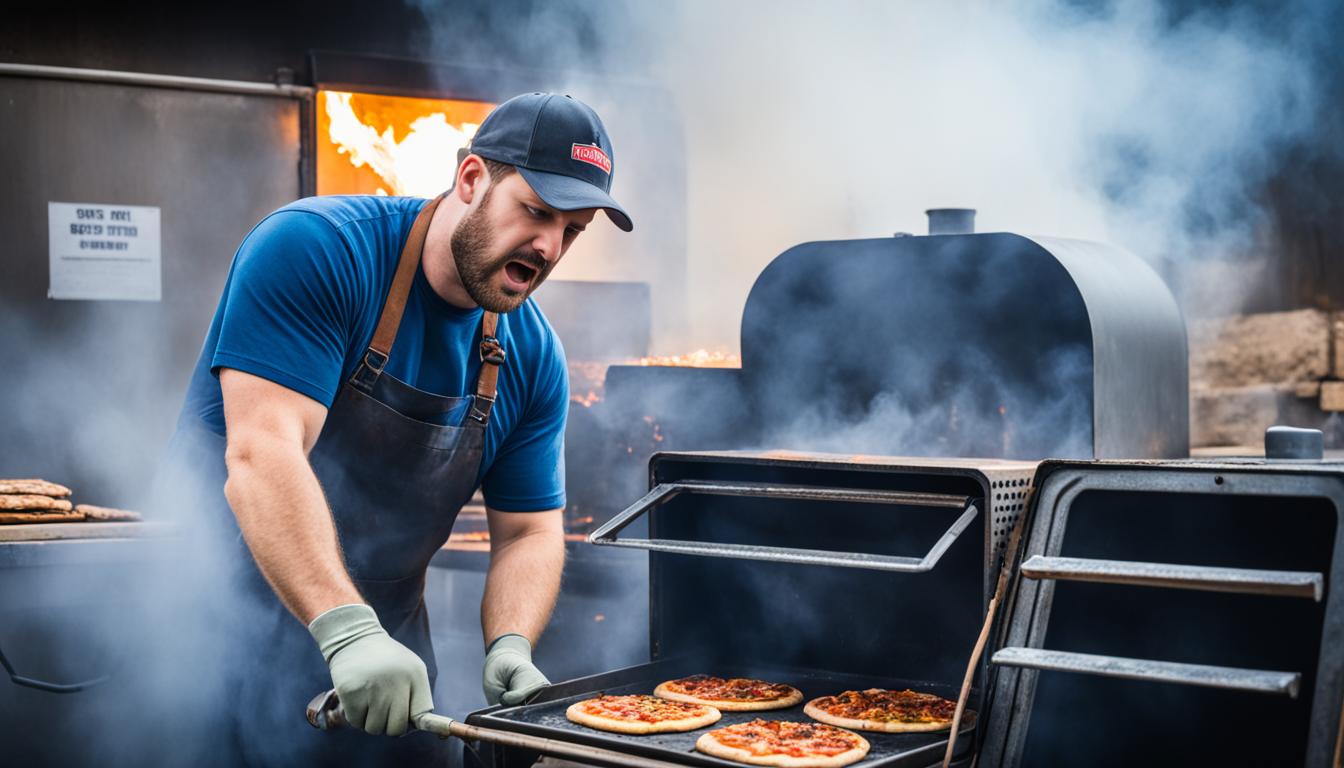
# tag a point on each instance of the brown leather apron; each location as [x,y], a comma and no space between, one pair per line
[395,481]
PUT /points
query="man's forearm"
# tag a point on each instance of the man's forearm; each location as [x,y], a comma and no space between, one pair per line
[287,525]
[522,584]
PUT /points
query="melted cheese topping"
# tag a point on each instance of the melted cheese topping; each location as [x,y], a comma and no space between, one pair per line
[884,706]
[774,737]
[649,709]
[731,689]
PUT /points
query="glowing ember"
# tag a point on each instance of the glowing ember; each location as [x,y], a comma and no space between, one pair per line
[587,399]
[701,358]
[588,379]
[410,145]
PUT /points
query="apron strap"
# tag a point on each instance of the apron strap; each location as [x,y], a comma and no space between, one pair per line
[492,356]
[375,357]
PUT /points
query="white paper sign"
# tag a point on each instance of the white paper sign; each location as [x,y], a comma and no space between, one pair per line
[103,251]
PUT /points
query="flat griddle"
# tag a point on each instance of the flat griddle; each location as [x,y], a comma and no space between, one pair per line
[545,715]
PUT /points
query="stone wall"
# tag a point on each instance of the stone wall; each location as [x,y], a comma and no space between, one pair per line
[1248,372]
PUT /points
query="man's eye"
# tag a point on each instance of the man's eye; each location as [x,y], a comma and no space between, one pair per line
[572,231]
[536,213]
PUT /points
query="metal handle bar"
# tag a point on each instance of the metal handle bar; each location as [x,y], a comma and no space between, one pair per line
[325,713]
[1242,580]
[42,685]
[606,535]
[1233,678]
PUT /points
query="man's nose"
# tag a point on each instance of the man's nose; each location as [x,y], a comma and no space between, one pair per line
[549,242]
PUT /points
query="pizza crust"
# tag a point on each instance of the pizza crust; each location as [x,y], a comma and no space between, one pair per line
[881,726]
[711,746]
[665,691]
[577,714]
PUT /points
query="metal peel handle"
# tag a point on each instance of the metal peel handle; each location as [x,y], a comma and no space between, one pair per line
[325,713]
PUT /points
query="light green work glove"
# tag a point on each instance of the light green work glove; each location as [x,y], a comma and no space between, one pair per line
[509,675]
[382,684]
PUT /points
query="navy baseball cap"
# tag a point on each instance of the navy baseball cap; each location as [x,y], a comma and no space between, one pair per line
[559,146]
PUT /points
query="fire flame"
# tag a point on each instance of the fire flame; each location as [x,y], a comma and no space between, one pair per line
[421,163]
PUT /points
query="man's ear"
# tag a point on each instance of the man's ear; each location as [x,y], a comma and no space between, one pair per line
[472,179]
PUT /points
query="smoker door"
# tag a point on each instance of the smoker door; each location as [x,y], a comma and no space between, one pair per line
[1173,614]
[92,388]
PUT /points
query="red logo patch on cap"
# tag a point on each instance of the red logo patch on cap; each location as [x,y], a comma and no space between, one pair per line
[592,155]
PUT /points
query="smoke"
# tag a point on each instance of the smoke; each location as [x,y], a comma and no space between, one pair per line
[1114,122]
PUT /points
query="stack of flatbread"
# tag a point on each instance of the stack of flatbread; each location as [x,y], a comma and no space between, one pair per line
[36,501]
[39,501]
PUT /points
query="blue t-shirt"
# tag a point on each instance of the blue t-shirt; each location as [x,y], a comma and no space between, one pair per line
[299,309]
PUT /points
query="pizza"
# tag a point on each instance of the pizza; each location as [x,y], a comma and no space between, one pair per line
[641,714]
[785,744]
[877,709]
[735,694]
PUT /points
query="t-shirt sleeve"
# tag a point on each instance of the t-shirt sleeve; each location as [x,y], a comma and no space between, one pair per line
[528,473]
[289,305]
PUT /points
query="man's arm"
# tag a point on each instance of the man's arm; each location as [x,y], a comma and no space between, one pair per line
[287,525]
[275,496]
[527,555]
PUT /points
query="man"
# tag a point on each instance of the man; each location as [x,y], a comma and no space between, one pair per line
[371,363]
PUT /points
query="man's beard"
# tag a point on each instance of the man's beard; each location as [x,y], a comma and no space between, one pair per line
[471,243]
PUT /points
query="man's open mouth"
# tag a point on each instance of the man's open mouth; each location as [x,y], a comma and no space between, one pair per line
[519,272]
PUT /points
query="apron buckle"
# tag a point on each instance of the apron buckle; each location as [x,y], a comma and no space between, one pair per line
[375,359]
[480,408]
[366,375]
[492,351]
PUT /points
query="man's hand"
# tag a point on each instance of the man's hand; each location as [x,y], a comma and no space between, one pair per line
[382,684]
[510,676]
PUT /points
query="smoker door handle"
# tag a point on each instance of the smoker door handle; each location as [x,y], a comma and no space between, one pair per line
[43,685]
[1198,577]
[1232,678]
[607,534]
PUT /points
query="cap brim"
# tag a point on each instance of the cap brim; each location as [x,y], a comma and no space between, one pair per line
[566,193]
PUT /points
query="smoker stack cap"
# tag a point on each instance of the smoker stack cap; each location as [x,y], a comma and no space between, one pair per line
[1294,443]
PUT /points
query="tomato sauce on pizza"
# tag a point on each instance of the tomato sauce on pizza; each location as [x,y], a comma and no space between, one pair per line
[776,742]
[639,714]
[878,709]
[650,709]
[733,694]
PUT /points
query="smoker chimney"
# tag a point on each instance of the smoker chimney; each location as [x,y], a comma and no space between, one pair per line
[951,221]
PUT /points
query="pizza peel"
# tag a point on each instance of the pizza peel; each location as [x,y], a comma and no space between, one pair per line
[325,713]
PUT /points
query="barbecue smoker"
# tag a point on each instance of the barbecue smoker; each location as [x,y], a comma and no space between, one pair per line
[952,345]
[825,572]
[1157,613]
